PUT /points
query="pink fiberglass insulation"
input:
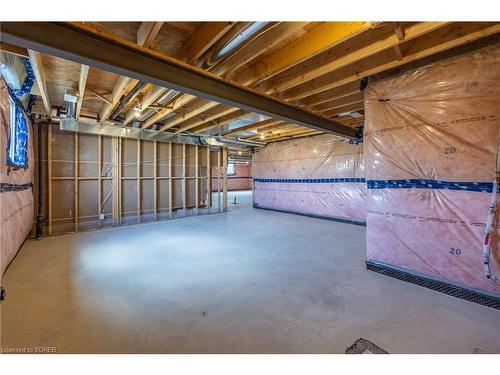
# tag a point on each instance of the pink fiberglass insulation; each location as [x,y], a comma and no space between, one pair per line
[16,207]
[430,143]
[321,175]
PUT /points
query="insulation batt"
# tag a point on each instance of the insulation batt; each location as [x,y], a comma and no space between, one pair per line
[16,207]
[321,175]
[430,142]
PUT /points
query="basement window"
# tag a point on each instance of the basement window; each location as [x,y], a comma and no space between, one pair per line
[231,169]
[18,137]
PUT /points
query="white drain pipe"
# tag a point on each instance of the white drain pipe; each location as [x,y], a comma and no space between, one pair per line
[488,232]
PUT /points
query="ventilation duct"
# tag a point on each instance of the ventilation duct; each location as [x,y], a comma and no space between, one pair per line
[71,98]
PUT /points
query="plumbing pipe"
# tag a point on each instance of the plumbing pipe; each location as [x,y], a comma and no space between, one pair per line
[488,232]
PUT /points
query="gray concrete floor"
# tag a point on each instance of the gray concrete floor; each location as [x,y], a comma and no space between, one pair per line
[249,281]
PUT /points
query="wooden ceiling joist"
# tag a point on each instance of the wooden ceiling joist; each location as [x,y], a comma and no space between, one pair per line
[82,83]
[340,57]
[79,43]
[316,41]
[333,94]
[357,106]
[220,112]
[207,34]
[222,121]
[173,105]
[37,65]
[253,126]
[259,46]
[443,39]
[145,37]
[149,98]
[181,117]
[15,50]
[147,33]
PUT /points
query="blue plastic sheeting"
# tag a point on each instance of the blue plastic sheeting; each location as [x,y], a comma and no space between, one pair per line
[17,149]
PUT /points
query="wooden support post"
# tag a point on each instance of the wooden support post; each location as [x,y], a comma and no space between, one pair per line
[77,184]
[209,179]
[184,192]
[170,180]
[116,180]
[219,155]
[49,175]
[99,179]
[119,186]
[197,180]
[138,188]
[224,179]
[155,176]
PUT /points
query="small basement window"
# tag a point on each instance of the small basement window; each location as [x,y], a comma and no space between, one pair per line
[18,137]
[231,169]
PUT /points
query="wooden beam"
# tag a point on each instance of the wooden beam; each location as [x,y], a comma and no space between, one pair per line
[209,179]
[76,183]
[145,36]
[218,112]
[441,40]
[84,72]
[14,50]
[118,91]
[170,181]
[299,135]
[336,103]
[173,121]
[149,98]
[197,175]
[173,106]
[81,43]
[138,181]
[255,48]
[224,178]
[147,33]
[347,56]
[356,106]
[204,37]
[233,116]
[316,41]
[98,95]
[37,65]
[333,94]
[99,179]
[253,126]
[184,191]
[399,31]
[155,177]
[49,177]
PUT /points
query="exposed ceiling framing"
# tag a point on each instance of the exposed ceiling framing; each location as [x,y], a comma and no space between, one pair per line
[302,75]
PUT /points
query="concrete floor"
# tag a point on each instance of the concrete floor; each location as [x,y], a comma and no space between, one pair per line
[249,281]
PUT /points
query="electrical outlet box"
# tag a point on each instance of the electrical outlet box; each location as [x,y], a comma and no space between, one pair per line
[101,216]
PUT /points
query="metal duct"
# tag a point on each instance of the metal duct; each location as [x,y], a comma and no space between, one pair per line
[240,38]
[164,99]
[71,98]
[124,102]
[89,126]
[239,141]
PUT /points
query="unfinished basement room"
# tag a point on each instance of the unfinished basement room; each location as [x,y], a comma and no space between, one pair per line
[250,187]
